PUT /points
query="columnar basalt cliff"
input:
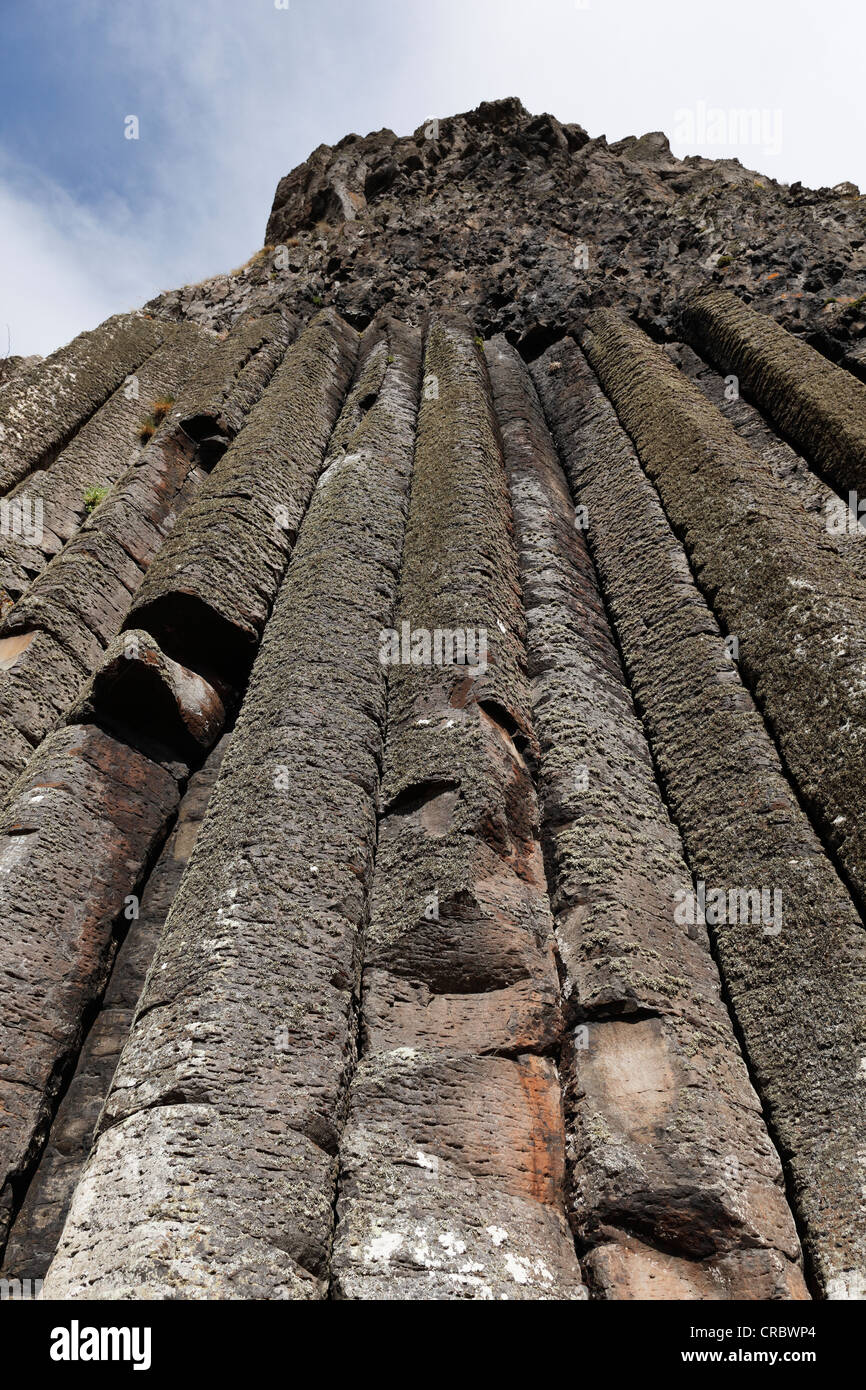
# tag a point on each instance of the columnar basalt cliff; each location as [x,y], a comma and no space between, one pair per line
[432,671]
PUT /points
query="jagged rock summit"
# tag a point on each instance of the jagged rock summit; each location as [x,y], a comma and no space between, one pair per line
[432,688]
[526,224]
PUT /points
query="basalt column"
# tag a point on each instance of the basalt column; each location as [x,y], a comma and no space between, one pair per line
[219,1139]
[55,636]
[790,944]
[676,1190]
[452,1165]
[819,406]
[768,569]
[43,408]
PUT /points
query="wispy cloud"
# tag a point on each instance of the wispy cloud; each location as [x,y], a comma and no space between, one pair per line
[231,94]
[65,266]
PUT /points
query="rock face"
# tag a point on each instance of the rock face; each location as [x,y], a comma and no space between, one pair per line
[431,781]
[525,223]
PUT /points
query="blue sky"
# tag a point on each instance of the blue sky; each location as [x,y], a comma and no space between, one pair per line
[231,94]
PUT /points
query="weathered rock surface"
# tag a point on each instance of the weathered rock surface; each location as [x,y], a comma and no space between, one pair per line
[59,498]
[453,1161]
[820,407]
[42,408]
[76,838]
[790,943]
[520,951]
[210,592]
[769,570]
[527,223]
[56,635]
[39,1223]
[261,952]
[665,1132]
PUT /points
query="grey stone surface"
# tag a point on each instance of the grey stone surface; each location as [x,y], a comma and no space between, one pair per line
[426,1017]
[452,1167]
[819,406]
[770,572]
[666,1138]
[208,596]
[95,459]
[76,837]
[795,978]
[41,409]
[39,1223]
[261,951]
[77,605]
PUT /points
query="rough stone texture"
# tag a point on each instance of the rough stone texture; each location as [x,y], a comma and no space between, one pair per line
[147,699]
[810,491]
[528,223]
[452,1164]
[14,366]
[797,988]
[95,459]
[665,1132]
[224,392]
[820,407]
[209,595]
[37,1228]
[41,409]
[75,839]
[261,952]
[77,605]
[628,1269]
[428,1037]
[768,569]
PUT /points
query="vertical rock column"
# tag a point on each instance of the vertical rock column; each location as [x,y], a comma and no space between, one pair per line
[76,837]
[676,1189]
[452,1162]
[54,638]
[790,944]
[769,571]
[215,1170]
[34,1236]
[809,490]
[820,407]
[54,501]
[41,410]
[208,596]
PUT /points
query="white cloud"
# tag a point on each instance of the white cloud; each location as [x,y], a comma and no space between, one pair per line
[232,94]
[64,268]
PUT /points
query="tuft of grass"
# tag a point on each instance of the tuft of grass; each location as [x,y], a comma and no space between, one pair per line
[723,261]
[93,496]
[158,411]
[479,342]
[317,299]
[257,256]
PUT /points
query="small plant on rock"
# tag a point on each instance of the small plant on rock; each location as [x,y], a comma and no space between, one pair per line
[158,412]
[93,496]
